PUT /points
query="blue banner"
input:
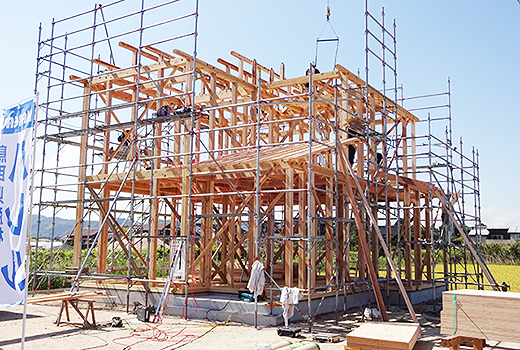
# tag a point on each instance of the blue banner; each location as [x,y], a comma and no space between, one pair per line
[16,127]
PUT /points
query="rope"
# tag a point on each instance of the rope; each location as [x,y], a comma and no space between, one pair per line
[335,38]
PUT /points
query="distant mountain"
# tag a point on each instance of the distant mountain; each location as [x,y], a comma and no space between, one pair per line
[61,226]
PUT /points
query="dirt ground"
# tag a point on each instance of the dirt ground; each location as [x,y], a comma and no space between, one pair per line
[173,333]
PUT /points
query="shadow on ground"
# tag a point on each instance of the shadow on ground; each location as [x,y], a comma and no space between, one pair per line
[40,336]
[12,316]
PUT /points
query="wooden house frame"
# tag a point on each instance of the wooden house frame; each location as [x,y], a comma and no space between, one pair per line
[245,164]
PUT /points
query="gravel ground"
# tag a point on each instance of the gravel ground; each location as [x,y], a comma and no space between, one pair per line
[173,333]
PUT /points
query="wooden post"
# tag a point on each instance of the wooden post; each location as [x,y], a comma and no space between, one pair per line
[102,248]
[231,243]
[233,119]
[414,150]
[340,232]
[251,245]
[185,210]
[81,179]
[212,102]
[374,244]
[329,246]
[208,233]
[155,192]
[302,231]
[406,229]
[428,238]
[417,249]
[314,232]
[225,237]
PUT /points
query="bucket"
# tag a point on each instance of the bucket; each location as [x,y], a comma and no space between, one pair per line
[262,346]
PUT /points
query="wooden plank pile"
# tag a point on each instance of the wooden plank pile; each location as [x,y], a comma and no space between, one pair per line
[481,314]
[84,296]
[384,336]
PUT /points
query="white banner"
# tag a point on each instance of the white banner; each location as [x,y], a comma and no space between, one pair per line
[16,127]
[177,248]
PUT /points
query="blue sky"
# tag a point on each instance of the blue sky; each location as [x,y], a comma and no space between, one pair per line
[475,43]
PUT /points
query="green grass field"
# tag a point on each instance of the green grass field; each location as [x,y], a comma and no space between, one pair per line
[503,273]
[510,274]
[507,273]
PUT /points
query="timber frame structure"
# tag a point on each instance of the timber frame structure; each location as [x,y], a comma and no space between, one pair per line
[247,164]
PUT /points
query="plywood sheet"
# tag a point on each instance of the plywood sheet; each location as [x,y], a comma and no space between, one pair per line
[384,335]
[481,314]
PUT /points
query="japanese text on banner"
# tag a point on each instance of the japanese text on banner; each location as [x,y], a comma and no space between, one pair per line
[16,128]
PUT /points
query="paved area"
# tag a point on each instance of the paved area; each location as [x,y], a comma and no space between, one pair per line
[173,333]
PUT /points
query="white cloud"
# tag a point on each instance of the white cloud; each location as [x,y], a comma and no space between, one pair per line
[500,216]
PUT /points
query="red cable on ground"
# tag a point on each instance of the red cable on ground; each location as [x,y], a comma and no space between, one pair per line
[157,335]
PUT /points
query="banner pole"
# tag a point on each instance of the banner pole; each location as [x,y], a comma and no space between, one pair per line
[29,228]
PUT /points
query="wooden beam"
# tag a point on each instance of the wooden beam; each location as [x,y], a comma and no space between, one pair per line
[250,61]
[134,71]
[347,174]
[212,69]
[226,224]
[363,245]
[115,233]
[251,230]
[81,179]
[379,96]
[135,50]
[301,80]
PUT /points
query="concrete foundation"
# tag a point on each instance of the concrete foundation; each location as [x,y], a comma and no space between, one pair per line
[227,307]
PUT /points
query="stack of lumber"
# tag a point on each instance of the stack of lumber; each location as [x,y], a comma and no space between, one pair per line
[84,296]
[481,314]
[384,336]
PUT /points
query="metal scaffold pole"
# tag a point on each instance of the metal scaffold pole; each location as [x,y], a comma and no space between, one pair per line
[190,241]
[258,211]
[337,216]
[310,203]
[38,222]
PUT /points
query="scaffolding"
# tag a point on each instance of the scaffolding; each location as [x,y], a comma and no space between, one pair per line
[235,163]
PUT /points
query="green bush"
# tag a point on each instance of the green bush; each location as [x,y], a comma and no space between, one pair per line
[60,260]
[508,253]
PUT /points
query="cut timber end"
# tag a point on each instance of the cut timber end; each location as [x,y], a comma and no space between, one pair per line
[384,336]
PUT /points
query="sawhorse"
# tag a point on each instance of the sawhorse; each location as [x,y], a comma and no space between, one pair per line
[454,342]
[74,303]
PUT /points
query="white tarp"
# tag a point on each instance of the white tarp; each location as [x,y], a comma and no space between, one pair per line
[16,126]
[180,267]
